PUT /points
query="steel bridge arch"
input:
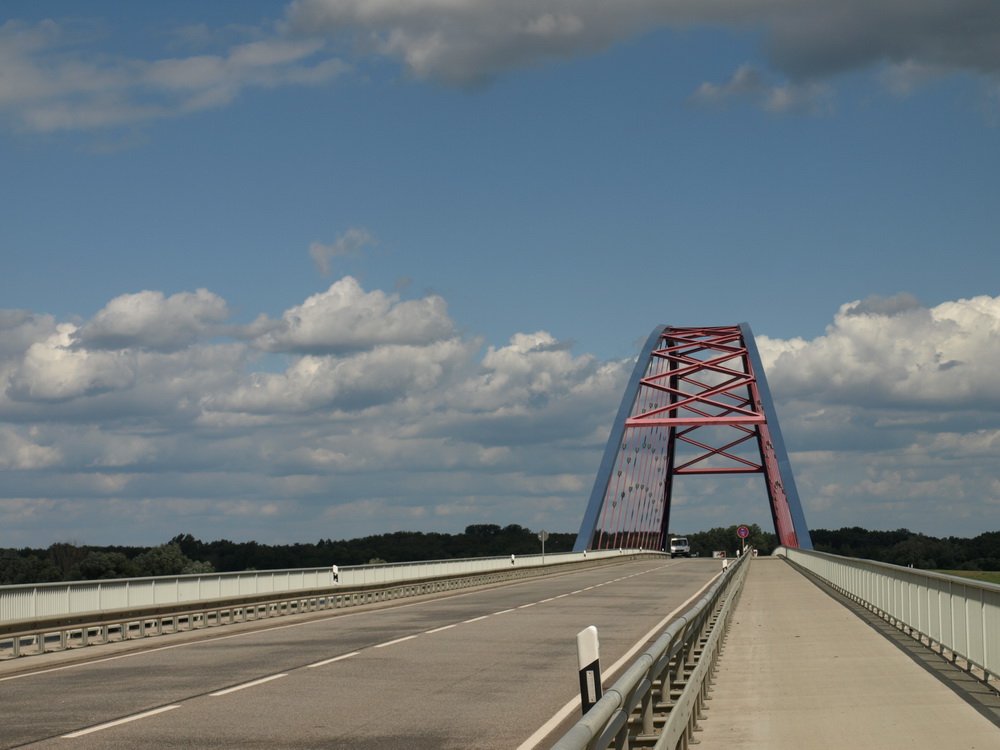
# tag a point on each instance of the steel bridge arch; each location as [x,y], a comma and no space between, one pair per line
[688,382]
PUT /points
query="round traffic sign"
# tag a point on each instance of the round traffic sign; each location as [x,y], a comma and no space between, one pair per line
[742,532]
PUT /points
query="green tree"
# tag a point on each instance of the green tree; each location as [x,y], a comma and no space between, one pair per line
[65,556]
[104,565]
[168,560]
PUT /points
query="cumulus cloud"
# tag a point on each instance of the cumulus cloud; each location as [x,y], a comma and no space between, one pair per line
[894,353]
[53,370]
[385,374]
[19,329]
[893,411]
[345,318]
[151,320]
[370,405]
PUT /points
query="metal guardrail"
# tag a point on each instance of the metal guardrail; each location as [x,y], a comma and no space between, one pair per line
[35,635]
[958,617]
[659,700]
[26,601]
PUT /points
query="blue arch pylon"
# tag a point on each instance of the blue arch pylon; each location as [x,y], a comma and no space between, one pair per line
[697,404]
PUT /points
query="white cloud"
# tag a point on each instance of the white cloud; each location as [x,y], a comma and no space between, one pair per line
[53,370]
[151,320]
[21,451]
[19,329]
[896,355]
[386,374]
[385,417]
[345,318]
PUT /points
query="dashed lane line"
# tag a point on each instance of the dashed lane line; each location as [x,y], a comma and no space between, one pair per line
[116,722]
[330,661]
[397,640]
[246,685]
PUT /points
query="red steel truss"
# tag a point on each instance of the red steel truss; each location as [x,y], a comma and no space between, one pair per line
[697,409]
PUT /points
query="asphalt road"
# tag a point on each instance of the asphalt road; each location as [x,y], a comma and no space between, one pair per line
[491,668]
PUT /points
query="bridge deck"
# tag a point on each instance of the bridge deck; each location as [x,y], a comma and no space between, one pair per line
[802,670]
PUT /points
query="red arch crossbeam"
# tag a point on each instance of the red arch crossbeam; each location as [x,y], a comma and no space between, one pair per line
[700,391]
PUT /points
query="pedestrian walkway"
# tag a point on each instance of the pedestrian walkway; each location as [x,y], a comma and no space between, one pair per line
[803,671]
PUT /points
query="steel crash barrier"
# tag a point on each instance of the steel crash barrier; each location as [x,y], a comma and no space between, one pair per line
[957,617]
[660,699]
[38,618]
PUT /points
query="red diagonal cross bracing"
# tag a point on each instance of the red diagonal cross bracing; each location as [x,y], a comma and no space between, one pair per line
[697,411]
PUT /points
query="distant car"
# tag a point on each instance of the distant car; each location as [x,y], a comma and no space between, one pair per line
[679,547]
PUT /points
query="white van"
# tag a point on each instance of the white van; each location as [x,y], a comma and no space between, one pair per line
[679,547]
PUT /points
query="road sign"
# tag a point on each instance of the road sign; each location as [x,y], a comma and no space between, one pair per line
[543,535]
[742,532]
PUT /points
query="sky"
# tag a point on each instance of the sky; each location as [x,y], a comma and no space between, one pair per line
[331,268]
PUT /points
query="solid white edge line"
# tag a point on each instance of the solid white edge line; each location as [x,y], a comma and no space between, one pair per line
[126,720]
[331,661]
[565,711]
[398,640]
[248,684]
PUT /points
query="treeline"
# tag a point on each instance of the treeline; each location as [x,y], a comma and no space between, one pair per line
[903,547]
[899,547]
[185,554]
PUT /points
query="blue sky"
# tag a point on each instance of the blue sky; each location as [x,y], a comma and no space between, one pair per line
[432,235]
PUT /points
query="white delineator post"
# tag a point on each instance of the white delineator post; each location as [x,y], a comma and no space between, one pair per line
[588,655]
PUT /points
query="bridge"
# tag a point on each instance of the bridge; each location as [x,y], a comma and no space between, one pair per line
[798,650]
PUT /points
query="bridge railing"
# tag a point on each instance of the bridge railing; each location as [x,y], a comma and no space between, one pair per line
[658,701]
[957,616]
[355,586]
[22,602]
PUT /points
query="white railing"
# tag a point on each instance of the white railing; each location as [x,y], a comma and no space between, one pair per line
[24,602]
[958,616]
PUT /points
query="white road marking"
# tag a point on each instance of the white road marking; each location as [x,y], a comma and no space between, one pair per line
[476,619]
[248,684]
[446,627]
[126,720]
[398,640]
[331,661]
